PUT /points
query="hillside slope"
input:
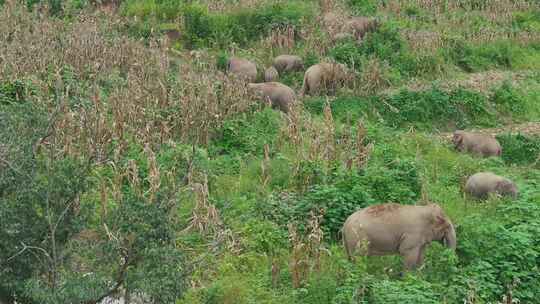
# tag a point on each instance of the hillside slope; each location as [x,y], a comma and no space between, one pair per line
[133,165]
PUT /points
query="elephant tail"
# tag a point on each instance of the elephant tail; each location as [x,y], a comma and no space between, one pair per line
[305,86]
[344,241]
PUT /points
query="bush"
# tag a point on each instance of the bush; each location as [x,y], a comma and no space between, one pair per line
[386,45]
[410,290]
[343,108]
[348,52]
[11,92]
[364,7]
[337,201]
[248,133]
[527,21]
[396,181]
[508,99]
[519,149]
[161,9]
[435,107]
[203,28]
[502,254]
[502,54]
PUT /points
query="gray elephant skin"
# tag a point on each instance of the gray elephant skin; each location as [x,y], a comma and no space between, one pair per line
[481,184]
[476,144]
[360,26]
[280,95]
[397,229]
[271,74]
[324,77]
[288,63]
[242,68]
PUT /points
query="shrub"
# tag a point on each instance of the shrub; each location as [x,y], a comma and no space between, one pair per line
[348,52]
[11,92]
[222,61]
[410,290]
[343,108]
[499,255]
[503,54]
[161,9]
[508,99]
[364,7]
[337,201]
[435,107]
[248,133]
[396,181]
[203,28]
[519,149]
[527,21]
[387,45]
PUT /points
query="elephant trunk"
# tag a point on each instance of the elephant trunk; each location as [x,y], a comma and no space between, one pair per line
[450,238]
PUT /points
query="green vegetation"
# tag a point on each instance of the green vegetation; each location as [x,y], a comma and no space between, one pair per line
[134,167]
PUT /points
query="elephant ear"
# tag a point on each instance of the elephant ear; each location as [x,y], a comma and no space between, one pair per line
[440,224]
[457,139]
[504,186]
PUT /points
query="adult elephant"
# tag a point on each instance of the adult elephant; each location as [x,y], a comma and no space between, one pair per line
[476,143]
[325,77]
[482,184]
[242,68]
[360,26]
[280,95]
[397,229]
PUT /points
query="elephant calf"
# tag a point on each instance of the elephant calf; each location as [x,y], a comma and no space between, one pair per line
[476,143]
[288,63]
[397,229]
[481,184]
[271,74]
[242,68]
[280,95]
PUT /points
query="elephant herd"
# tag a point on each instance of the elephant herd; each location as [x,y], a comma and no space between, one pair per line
[319,77]
[407,230]
[386,228]
[324,76]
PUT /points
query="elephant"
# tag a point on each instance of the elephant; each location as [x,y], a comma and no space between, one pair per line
[271,74]
[280,95]
[476,143]
[243,68]
[481,184]
[324,77]
[288,63]
[391,228]
[360,26]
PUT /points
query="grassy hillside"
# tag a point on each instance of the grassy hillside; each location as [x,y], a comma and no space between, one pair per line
[131,164]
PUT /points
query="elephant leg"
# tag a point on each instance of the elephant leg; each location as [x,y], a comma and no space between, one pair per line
[420,259]
[411,250]
[411,257]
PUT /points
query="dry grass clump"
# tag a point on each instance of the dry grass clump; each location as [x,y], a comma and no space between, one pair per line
[491,6]
[306,251]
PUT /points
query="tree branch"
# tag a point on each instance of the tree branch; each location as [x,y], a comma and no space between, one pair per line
[120,278]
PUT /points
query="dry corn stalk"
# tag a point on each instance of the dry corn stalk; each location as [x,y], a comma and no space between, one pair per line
[329,136]
[205,217]
[362,150]
[265,164]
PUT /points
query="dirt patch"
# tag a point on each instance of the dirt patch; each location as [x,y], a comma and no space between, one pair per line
[482,82]
[528,128]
